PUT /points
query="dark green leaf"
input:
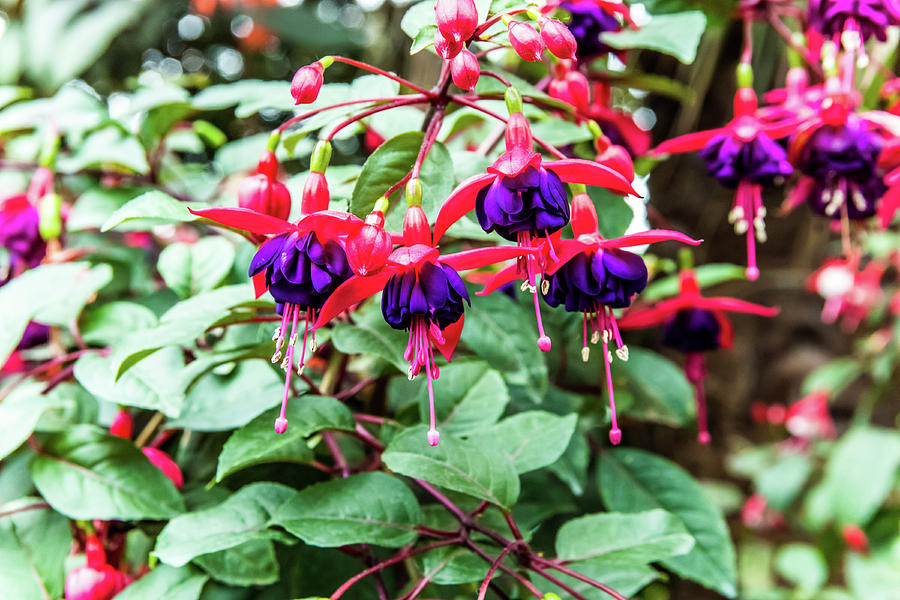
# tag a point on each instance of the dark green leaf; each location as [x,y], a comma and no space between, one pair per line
[531,439]
[106,148]
[371,335]
[251,563]
[467,397]
[108,323]
[463,466]
[637,538]
[85,473]
[372,508]
[675,34]
[624,578]
[782,482]
[660,390]
[246,515]
[453,565]
[33,548]
[257,443]
[633,480]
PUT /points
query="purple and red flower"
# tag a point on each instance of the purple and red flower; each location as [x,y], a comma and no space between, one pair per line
[693,325]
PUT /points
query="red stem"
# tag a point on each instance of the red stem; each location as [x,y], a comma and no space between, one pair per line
[38,506]
[482,591]
[400,556]
[382,72]
[406,101]
[747,52]
[315,111]
[576,575]
[487,24]
[512,526]
[511,572]
[339,460]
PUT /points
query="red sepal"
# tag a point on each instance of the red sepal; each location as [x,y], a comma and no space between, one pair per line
[332,223]
[649,237]
[245,220]
[566,250]
[507,275]
[588,172]
[459,202]
[687,143]
[890,202]
[451,334]
[351,292]
[514,161]
[641,318]
[259,283]
[480,257]
[734,305]
[726,331]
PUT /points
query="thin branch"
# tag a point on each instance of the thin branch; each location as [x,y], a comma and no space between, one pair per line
[482,591]
[576,575]
[37,506]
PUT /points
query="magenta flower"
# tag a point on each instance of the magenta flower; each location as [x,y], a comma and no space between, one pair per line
[20,233]
[694,325]
[742,155]
[523,198]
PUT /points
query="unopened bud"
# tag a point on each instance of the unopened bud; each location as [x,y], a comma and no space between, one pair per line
[465,70]
[456,19]
[558,39]
[525,41]
[315,194]
[165,464]
[416,229]
[307,82]
[446,48]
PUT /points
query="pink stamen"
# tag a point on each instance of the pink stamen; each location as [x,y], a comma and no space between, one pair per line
[281,422]
[433,436]
[615,434]
[303,351]
[695,371]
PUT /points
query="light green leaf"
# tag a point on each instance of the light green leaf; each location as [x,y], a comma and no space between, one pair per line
[373,508]
[108,323]
[467,397]
[782,482]
[834,376]
[20,411]
[675,34]
[105,148]
[803,565]
[256,442]
[166,582]
[661,392]
[33,548]
[642,537]
[147,210]
[85,473]
[192,268]
[531,439]
[463,466]
[633,480]
[245,516]
[250,563]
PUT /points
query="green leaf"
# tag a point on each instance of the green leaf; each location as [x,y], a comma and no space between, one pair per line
[20,411]
[463,466]
[628,538]
[531,439]
[633,480]
[250,563]
[453,565]
[33,548]
[873,577]
[95,205]
[390,163]
[661,392]
[255,443]
[467,397]
[782,482]
[707,275]
[370,335]
[166,582]
[147,210]
[803,565]
[249,95]
[858,477]
[614,215]
[246,515]
[154,383]
[85,473]
[105,148]
[372,508]
[108,323]
[675,34]
[181,325]
[504,334]
[51,294]
[418,17]
[626,579]
[192,268]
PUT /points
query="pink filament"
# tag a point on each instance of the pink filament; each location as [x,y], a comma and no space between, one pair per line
[615,434]
[695,371]
[281,421]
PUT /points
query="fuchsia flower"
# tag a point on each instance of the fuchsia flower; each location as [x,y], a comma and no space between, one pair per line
[456,19]
[465,70]
[850,292]
[96,580]
[523,198]
[558,39]
[526,41]
[263,192]
[423,294]
[20,223]
[742,155]
[164,463]
[866,18]
[123,424]
[570,86]
[694,325]
[307,82]
[446,48]
[855,538]
[593,275]
[590,19]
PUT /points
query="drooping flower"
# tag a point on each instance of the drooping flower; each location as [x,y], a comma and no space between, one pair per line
[809,419]
[558,39]
[96,580]
[592,275]
[850,291]
[308,80]
[522,198]
[423,293]
[526,41]
[164,463]
[742,155]
[570,86]
[456,19]
[855,538]
[866,18]
[262,192]
[123,424]
[20,233]
[693,325]
[592,18]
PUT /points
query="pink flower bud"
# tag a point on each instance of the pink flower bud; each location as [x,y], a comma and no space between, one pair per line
[456,19]
[616,157]
[465,70]
[92,583]
[416,229]
[41,184]
[165,464]
[446,48]
[315,194]
[525,41]
[584,215]
[572,88]
[307,82]
[122,425]
[94,551]
[558,39]
[855,538]
[369,249]
[263,193]
[518,132]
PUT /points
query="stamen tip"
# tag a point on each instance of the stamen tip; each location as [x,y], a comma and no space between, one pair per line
[544,343]
[704,438]
[585,353]
[433,436]
[615,436]
[622,353]
[752,273]
[281,425]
